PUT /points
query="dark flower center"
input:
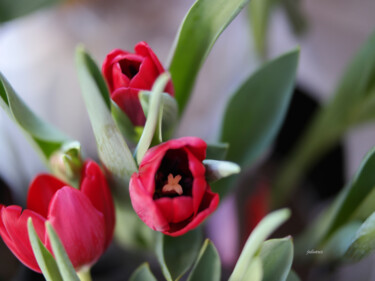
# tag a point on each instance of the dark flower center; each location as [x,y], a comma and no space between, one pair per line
[129,68]
[176,164]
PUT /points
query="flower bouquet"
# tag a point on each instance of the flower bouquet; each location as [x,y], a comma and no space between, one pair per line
[149,192]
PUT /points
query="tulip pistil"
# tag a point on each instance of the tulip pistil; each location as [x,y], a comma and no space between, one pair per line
[172,185]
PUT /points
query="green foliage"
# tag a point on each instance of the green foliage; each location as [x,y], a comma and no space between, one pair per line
[353,103]
[257,108]
[113,150]
[177,254]
[277,258]
[11,9]
[142,273]
[45,260]
[217,151]
[269,224]
[363,242]
[201,27]
[153,116]
[207,266]
[63,263]
[45,138]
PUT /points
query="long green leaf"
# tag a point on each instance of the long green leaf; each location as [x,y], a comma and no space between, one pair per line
[45,138]
[207,267]
[347,205]
[46,262]
[364,241]
[201,27]
[10,9]
[259,12]
[277,257]
[255,270]
[142,273]
[257,109]
[269,224]
[113,150]
[177,254]
[64,264]
[153,113]
[353,103]
[292,276]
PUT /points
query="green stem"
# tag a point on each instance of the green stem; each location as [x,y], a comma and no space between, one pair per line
[84,274]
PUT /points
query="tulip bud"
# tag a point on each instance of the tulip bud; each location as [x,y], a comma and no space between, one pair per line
[216,169]
[66,163]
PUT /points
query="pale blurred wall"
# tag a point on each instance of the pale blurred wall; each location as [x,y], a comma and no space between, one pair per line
[37,56]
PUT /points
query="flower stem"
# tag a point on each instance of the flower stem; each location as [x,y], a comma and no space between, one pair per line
[84,274]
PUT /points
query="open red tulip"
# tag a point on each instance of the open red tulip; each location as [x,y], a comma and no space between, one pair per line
[84,219]
[170,193]
[127,74]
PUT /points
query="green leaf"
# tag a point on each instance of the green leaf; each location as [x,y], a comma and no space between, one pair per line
[201,27]
[113,150]
[259,12]
[267,225]
[124,124]
[338,243]
[207,267]
[142,273]
[10,9]
[277,257]
[363,242]
[177,254]
[46,262]
[255,270]
[155,104]
[217,151]
[292,276]
[45,138]
[258,108]
[64,264]
[353,103]
[347,205]
[295,15]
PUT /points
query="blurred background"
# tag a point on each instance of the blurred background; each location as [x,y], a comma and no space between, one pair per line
[37,57]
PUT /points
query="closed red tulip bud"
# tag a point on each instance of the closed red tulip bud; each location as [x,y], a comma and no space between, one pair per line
[128,73]
[84,219]
[170,192]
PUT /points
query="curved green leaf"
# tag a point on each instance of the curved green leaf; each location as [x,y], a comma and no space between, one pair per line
[45,138]
[142,273]
[112,148]
[64,264]
[207,267]
[177,254]
[267,225]
[201,27]
[363,242]
[277,257]
[153,113]
[46,262]
[258,108]
[255,270]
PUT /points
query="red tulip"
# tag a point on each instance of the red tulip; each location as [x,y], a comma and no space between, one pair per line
[84,219]
[126,74]
[170,193]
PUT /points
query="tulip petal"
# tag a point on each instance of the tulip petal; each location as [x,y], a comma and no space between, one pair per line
[95,187]
[146,76]
[80,226]
[145,207]
[176,209]
[143,49]
[41,191]
[119,80]
[210,203]
[108,64]
[127,99]
[13,230]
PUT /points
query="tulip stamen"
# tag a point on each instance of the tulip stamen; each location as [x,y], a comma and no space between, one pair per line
[172,185]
